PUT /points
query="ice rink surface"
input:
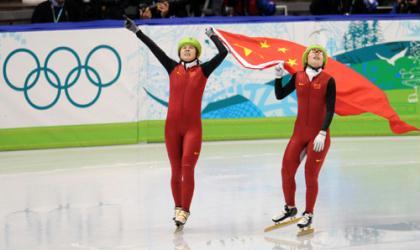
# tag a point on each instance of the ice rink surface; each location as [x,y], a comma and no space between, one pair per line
[119,198]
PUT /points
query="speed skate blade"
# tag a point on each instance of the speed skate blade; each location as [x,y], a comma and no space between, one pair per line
[282,224]
[179,228]
[304,232]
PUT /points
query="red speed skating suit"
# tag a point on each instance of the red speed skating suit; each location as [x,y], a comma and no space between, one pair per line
[316,101]
[183,133]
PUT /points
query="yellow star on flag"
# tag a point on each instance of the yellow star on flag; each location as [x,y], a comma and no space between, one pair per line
[264,45]
[282,50]
[247,51]
[292,62]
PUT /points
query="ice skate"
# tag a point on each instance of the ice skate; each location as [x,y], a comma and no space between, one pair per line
[179,229]
[305,225]
[177,209]
[287,217]
[180,219]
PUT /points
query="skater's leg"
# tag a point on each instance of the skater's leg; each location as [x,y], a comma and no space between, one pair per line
[191,152]
[173,142]
[291,161]
[313,166]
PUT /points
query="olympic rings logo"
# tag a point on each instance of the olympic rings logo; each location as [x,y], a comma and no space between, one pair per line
[54,80]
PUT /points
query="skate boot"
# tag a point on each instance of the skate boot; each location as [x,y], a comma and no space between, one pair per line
[177,209]
[181,218]
[305,224]
[287,213]
[287,217]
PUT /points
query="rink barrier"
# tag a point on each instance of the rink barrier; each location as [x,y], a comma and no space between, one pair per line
[153,132]
[213,129]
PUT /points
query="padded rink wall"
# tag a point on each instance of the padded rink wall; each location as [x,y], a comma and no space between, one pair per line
[87,84]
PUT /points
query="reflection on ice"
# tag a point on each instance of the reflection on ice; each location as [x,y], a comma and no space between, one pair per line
[118,198]
[22,230]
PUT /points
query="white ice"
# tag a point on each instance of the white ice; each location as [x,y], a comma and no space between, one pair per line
[119,197]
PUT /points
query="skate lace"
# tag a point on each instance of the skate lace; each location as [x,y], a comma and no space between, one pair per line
[283,213]
[183,214]
[280,215]
[305,219]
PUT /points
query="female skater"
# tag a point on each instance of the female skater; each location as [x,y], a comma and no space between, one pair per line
[315,92]
[183,132]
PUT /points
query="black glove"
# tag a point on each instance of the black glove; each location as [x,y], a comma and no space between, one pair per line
[130,25]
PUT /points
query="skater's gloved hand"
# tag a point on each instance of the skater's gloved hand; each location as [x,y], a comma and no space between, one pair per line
[210,32]
[279,70]
[130,24]
[319,141]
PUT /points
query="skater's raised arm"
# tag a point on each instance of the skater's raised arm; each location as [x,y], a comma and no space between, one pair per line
[280,91]
[210,66]
[330,104]
[165,60]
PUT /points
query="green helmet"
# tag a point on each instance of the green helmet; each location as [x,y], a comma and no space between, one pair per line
[319,47]
[191,41]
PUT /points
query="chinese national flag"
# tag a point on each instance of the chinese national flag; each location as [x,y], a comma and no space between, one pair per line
[355,94]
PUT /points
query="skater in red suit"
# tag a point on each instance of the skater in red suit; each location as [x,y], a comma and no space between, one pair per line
[183,132]
[315,90]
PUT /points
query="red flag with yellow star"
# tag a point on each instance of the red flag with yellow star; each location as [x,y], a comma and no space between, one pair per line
[262,52]
[355,94]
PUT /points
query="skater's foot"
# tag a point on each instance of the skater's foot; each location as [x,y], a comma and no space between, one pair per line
[289,212]
[177,209]
[306,220]
[181,217]
[305,224]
